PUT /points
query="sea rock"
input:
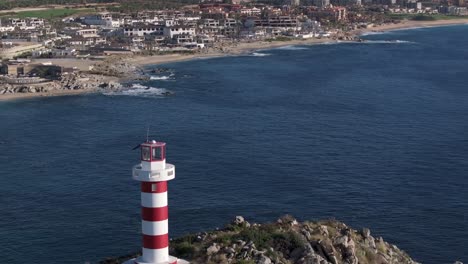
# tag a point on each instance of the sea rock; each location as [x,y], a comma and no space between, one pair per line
[239,220]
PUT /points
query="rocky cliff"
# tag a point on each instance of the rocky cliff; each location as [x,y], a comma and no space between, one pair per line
[285,241]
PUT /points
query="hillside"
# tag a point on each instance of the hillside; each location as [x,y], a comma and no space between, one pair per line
[133,5]
[285,241]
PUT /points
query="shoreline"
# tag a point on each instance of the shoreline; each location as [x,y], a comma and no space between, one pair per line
[412,24]
[234,50]
[238,49]
[246,48]
[18,96]
[91,85]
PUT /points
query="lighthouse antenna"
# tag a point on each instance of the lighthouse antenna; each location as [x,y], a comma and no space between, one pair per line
[147,133]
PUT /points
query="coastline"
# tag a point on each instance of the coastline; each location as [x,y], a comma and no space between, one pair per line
[234,50]
[17,96]
[231,50]
[245,48]
[92,84]
[412,24]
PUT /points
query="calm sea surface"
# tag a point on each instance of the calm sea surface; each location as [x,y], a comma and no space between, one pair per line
[374,134]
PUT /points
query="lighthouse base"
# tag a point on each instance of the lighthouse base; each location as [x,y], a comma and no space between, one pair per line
[172,260]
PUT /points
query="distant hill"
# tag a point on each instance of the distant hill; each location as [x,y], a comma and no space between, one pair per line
[133,4]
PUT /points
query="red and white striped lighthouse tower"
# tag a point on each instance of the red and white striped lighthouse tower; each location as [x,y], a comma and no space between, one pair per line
[153,172]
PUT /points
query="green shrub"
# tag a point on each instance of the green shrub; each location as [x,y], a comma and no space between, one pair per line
[242,261]
[223,239]
[287,242]
[261,238]
[184,250]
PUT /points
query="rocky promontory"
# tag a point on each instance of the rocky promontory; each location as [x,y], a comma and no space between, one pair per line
[282,242]
[70,82]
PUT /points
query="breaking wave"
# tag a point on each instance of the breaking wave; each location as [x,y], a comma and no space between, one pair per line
[375,33]
[291,47]
[140,90]
[258,54]
[386,41]
[160,78]
[368,42]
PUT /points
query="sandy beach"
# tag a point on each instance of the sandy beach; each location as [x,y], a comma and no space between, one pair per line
[231,50]
[228,50]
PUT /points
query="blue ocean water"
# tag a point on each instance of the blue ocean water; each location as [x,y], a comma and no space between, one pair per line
[374,134]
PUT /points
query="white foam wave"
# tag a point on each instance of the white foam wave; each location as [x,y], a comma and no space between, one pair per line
[138,86]
[160,78]
[368,42]
[397,41]
[258,54]
[292,47]
[370,33]
[140,90]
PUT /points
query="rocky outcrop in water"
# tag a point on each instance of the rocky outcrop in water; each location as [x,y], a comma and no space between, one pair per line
[283,242]
[85,82]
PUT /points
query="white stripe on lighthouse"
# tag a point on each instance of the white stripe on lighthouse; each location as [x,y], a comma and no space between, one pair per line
[153,200]
[154,228]
[156,255]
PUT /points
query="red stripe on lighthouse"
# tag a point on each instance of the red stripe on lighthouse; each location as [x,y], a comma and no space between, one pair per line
[154,187]
[156,242]
[154,214]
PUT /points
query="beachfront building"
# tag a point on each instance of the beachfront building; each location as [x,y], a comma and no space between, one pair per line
[143,29]
[171,32]
[251,11]
[27,23]
[87,33]
[102,20]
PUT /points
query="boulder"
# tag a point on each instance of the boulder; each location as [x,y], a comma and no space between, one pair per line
[370,242]
[365,232]
[230,250]
[328,251]
[323,230]
[264,260]
[239,220]
[342,241]
[213,249]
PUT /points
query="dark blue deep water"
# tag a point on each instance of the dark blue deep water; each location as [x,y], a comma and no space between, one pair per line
[374,134]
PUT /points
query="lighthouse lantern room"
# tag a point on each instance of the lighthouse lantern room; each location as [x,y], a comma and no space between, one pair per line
[153,172]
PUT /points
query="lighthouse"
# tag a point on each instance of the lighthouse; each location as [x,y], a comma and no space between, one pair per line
[153,173]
